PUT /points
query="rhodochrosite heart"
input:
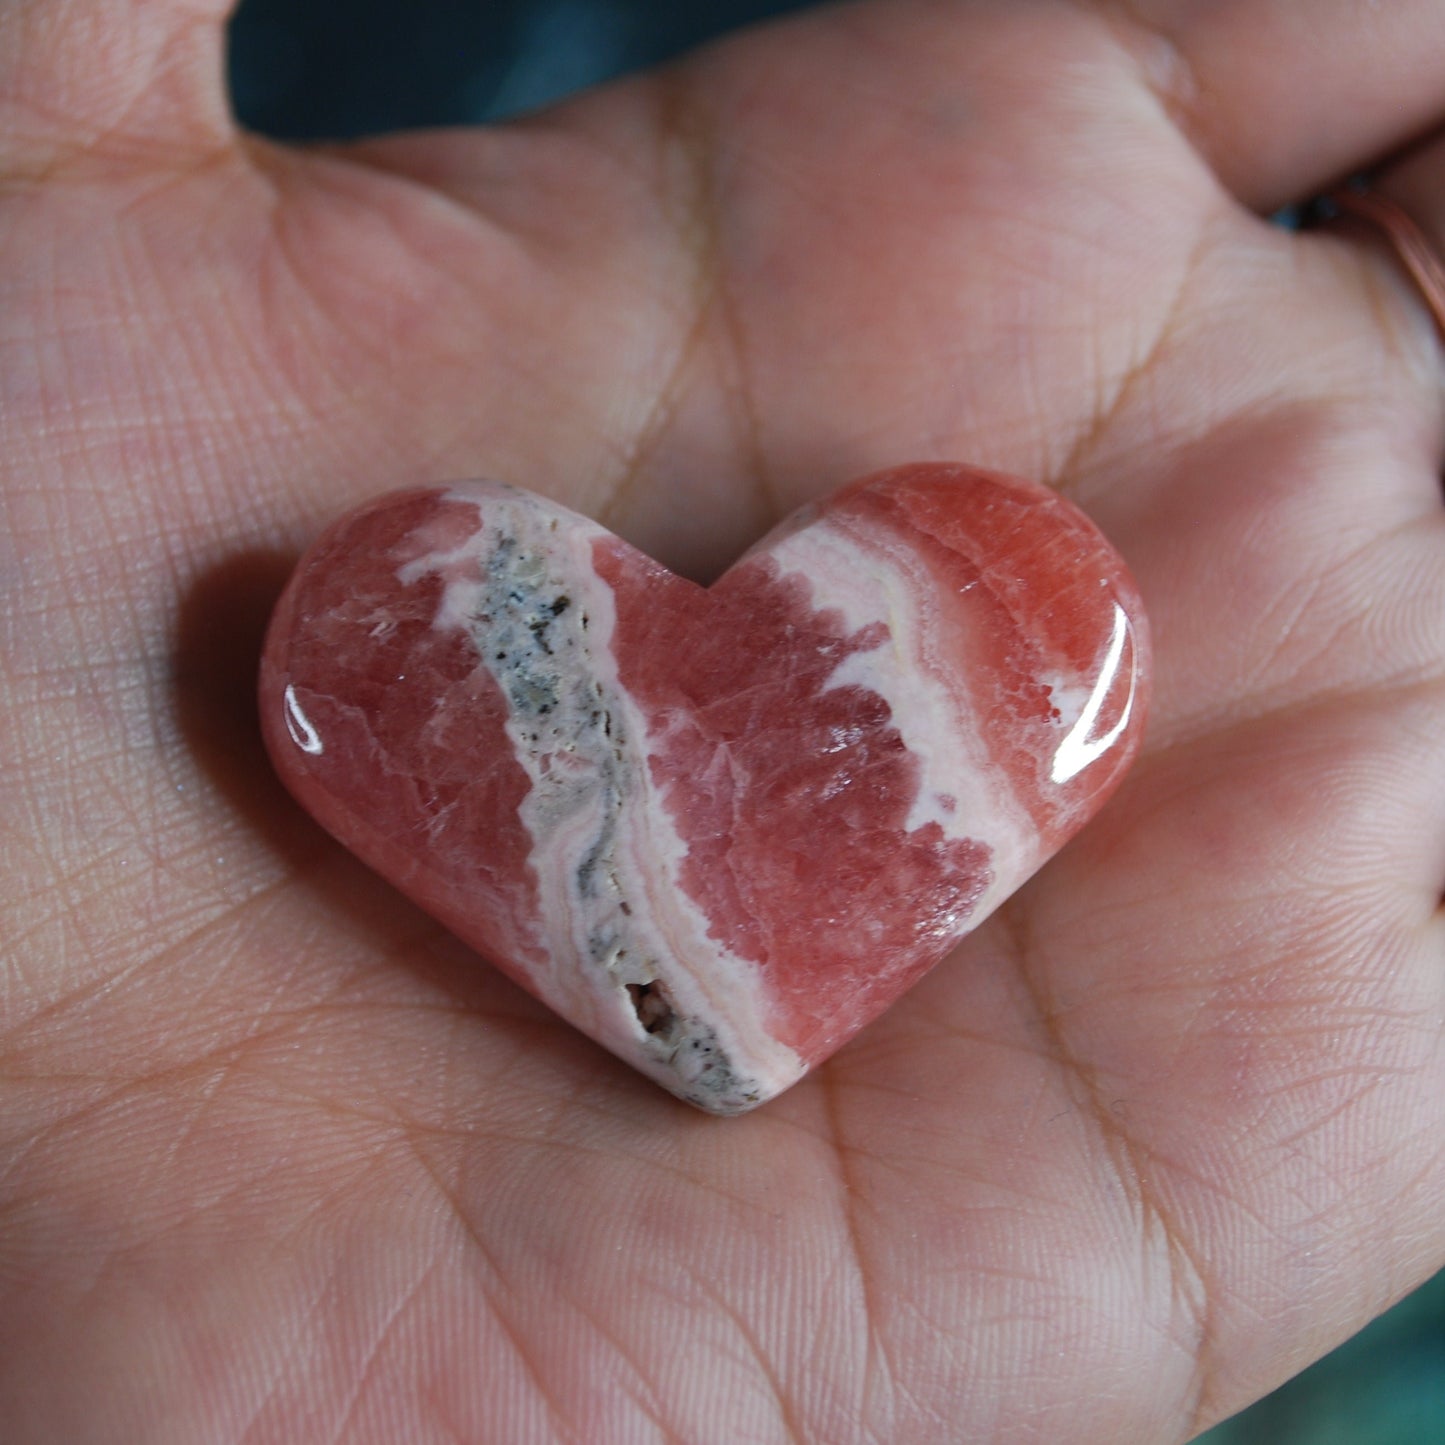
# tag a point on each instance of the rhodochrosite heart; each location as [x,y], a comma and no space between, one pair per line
[718,829]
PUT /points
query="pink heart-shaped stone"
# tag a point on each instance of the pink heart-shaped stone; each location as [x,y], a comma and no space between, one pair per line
[718,829]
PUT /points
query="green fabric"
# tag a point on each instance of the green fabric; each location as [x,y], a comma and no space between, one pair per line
[1384,1387]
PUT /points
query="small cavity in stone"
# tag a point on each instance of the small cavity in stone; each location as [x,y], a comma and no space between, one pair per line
[650,1004]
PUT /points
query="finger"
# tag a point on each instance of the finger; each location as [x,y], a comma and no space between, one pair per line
[130,80]
[1282,97]
[1417,184]
[1400,221]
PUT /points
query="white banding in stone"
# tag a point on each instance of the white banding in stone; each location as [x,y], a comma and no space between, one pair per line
[868,580]
[631,960]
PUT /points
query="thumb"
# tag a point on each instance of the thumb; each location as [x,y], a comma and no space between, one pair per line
[131,82]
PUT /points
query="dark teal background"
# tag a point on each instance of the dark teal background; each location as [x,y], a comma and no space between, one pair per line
[1384,1387]
[334,68]
[308,69]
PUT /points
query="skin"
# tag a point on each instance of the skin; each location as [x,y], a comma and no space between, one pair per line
[279,1161]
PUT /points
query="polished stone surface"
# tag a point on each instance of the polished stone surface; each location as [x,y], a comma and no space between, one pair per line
[718,829]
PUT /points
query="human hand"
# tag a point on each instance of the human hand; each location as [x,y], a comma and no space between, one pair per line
[281,1162]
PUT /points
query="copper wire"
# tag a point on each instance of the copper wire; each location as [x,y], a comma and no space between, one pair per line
[1410,242]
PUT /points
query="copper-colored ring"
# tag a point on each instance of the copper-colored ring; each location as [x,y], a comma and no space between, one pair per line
[1410,242]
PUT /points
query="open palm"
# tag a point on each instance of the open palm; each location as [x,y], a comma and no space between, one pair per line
[281,1162]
